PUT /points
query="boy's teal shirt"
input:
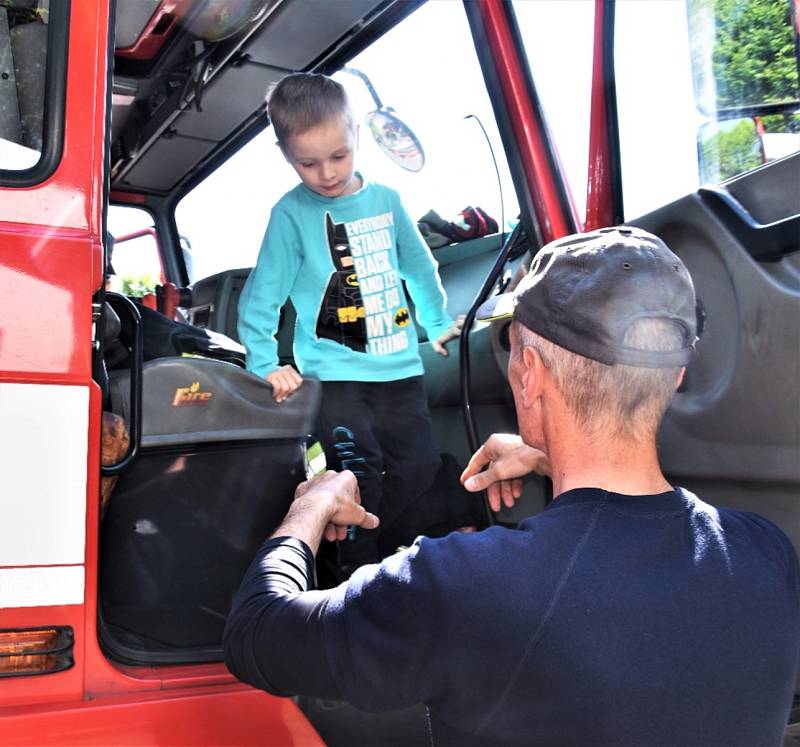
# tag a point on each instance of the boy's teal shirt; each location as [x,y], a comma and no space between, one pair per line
[341,261]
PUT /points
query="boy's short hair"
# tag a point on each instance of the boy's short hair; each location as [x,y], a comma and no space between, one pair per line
[301,101]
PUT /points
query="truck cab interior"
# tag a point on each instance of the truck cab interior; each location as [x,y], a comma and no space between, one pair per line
[169,569]
[213,460]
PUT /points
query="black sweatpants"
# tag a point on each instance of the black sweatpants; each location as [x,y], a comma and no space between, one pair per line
[380,431]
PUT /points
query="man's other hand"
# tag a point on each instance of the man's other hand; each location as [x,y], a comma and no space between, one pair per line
[508,459]
[284,381]
[440,343]
[337,495]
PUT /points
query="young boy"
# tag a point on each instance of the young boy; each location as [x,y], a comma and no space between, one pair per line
[339,247]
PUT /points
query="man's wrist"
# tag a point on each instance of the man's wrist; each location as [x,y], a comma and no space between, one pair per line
[319,504]
[307,518]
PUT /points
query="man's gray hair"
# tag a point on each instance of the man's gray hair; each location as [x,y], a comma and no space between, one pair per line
[619,400]
[301,101]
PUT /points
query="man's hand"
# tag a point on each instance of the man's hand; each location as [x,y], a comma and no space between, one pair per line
[285,381]
[440,343]
[509,459]
[326,505]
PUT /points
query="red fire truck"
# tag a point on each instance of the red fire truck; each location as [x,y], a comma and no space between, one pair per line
[141,465]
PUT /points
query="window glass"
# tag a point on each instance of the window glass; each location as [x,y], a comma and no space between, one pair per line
[225,216]
[135,258]
[23,63]
[745,67]
[435,89]
[558,40]
[438,84]
[684,73]
[743,53]
[697,83]
[658,119]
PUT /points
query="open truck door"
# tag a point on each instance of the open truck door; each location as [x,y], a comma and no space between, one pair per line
[58,685]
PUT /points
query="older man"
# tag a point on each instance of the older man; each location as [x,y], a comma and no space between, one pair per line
[628,612]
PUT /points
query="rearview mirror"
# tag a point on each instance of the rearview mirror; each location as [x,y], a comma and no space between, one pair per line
[394,137]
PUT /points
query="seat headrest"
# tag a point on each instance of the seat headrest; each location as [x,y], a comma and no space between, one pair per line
[198,400]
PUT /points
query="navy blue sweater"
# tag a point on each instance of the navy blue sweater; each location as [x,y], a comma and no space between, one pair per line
[605,620]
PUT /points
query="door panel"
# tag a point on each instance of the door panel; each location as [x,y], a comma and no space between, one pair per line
[733,433]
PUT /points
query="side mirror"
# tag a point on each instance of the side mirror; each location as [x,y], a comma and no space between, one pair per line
[728,148]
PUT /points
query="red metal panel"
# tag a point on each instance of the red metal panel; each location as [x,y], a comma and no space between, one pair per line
[598,192]
[71,198]
[130,198]
[47,277]
[533,152]
[210,716]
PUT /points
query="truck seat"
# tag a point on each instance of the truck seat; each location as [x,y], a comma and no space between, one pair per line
[217,467]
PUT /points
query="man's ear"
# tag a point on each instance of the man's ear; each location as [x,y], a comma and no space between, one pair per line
[531,378]
[680,377]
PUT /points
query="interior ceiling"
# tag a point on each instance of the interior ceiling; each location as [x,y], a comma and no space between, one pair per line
[131,18]
[173,113]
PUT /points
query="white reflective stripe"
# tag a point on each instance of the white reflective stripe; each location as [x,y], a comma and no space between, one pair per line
[43,452]
[41,587]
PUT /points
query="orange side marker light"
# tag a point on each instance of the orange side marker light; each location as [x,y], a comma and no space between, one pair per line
[36,651]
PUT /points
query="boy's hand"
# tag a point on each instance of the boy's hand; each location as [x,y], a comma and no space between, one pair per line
[285,381]
[440,343]
[508,459]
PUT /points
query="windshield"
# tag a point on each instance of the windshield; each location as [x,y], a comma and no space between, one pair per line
[433,92]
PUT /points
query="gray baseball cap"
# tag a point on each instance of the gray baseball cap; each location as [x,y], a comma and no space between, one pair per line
[584,291]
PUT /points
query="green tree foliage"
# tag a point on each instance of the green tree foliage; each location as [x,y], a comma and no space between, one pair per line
[755,55]
[139,285]
[781,123]
[753,52]
[743,54]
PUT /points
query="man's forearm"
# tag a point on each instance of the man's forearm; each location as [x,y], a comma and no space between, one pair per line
[306,520]
[274,636]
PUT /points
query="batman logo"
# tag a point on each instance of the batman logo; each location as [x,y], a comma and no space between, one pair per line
[401,318]
[352,280]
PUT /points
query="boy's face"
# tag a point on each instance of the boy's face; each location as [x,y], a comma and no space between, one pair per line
[322,156]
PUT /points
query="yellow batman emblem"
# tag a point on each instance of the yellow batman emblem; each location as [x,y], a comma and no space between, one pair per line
[402,318]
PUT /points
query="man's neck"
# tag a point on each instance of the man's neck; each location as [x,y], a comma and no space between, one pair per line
[626,466]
